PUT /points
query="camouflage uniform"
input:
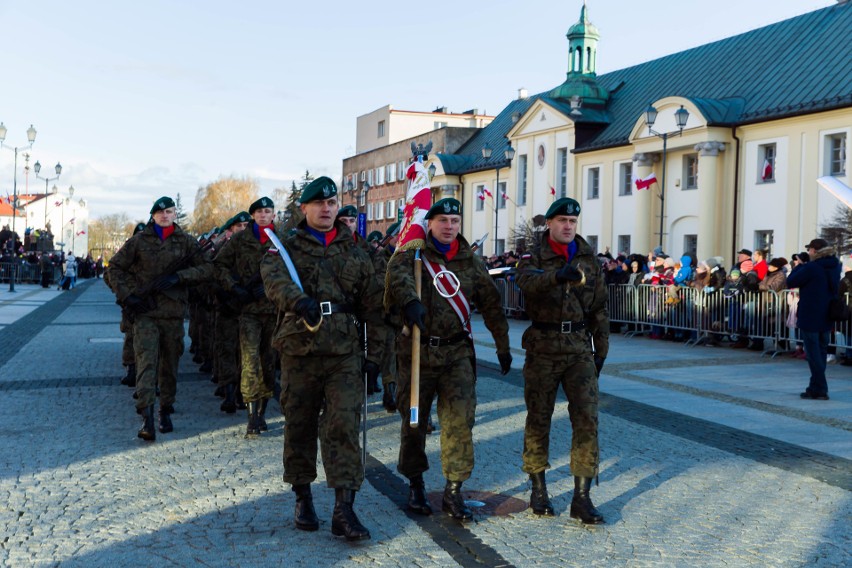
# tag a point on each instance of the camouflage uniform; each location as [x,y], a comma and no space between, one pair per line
[390,328]
[238,264]
[554,358]
[325,365]
[158,333]
[447,371]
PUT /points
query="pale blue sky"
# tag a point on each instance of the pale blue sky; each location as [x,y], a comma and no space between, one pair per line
[145,98]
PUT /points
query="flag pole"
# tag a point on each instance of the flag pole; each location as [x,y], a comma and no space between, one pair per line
[414,417]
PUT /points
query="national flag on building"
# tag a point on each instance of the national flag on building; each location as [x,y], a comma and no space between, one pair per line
[767,170]
[487,192]
[81,233]
[57,203]
[647,181]
[504,196]
[552,191]
[480,195]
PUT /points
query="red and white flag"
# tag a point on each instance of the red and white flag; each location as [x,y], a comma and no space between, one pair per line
[487,192]
[552,191]
[57,203]
[767,170]
[418,200]
[647,181]
[81,233]
[480,195]
[504,196]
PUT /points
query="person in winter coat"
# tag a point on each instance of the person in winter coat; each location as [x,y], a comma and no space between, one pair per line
[817,282]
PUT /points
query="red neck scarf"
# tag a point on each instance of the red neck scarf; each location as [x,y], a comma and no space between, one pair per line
[454,250]
[329,236]
[261,234]
[558,248]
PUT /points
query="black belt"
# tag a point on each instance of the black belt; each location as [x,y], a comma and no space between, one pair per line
[433,341]
[327,308]
[561,327]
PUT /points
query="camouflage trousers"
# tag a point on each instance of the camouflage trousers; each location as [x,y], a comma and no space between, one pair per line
[226,347]
[454,384]
[158,344]
[388,364]
[257,356]
[127,355]
[305,383]
[543,374]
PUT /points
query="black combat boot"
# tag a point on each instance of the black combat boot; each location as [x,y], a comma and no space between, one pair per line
[261,415]
[389,398]
[453,502]
[581,505]
[165,420]
[197,358]
[306,516]
[417,501]
[147,431]
[539,500]
[229,405]
[344,522]
[252,431]
[129,378]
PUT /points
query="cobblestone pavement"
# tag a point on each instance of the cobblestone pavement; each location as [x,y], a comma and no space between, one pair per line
[709,458]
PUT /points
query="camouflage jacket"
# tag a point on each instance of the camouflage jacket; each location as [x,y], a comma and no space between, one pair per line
[238,264]
[547,301]
[341,274]
[441,320]
[145,257]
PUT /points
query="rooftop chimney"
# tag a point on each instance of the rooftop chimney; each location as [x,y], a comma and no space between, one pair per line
[523,94]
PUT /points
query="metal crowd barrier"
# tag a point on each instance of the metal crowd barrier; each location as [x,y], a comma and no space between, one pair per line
[765,318]
[25,273]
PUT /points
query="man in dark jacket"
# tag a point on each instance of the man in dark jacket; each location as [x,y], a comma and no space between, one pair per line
[817,282]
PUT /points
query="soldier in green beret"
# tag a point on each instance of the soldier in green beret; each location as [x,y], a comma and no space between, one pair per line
[321,354]
[226,327]
[447,357]
[238,272]
[568,339]
[157,327]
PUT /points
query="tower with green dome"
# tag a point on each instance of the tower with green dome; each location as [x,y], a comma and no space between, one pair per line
[582,59]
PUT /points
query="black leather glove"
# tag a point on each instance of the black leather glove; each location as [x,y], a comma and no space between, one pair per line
[505,362]
[166,282]
[371,369]
[599,362]
[135,304]
[414,313]
[258,292]
[309,310]
[568,273]
[242,295]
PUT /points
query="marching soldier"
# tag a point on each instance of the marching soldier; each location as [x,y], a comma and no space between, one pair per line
[321,357]
[566,344]
[238,271]
[226,333]
[143,264]
[447,364]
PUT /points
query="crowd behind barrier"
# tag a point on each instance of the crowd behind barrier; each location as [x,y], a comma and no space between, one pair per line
[766,318]
[27,273]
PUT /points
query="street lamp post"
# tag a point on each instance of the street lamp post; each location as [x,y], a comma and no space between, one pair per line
[681,116]
[31,136]
[508,154]
[47,180]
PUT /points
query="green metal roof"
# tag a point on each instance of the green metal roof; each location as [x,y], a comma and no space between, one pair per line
[797,66]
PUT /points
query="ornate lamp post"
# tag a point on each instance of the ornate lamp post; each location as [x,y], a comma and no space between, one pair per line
[681,116]
[31,136]
[47,180]
[508,154]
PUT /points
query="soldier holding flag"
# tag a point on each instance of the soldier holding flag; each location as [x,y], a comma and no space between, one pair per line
[453,279]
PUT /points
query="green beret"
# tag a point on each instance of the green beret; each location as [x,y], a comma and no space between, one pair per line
[139,228]
[262,202]
[162,203]
[347,211]
[446,206]
[375,236]
[241,217]
[321,188]
[563,206]
[392,230]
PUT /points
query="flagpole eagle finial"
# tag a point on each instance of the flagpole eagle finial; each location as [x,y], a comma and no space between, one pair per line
[421,152]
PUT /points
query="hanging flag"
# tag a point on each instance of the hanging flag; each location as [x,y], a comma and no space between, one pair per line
[552,190]
[480,195]
[647,181]
[504,196]
[486,192]
[767,170]
[57,203]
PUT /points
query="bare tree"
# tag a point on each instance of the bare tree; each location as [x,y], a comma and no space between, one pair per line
[838,230]
[219,201]
[108,233]
[525,236]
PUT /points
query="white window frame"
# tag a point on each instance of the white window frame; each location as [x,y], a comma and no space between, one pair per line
[690,181]
[523,174]
[593,183]
[836,142]
[765,151]
[480,203]
[625,179]
[562,172]
[400,175]
[622,241]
